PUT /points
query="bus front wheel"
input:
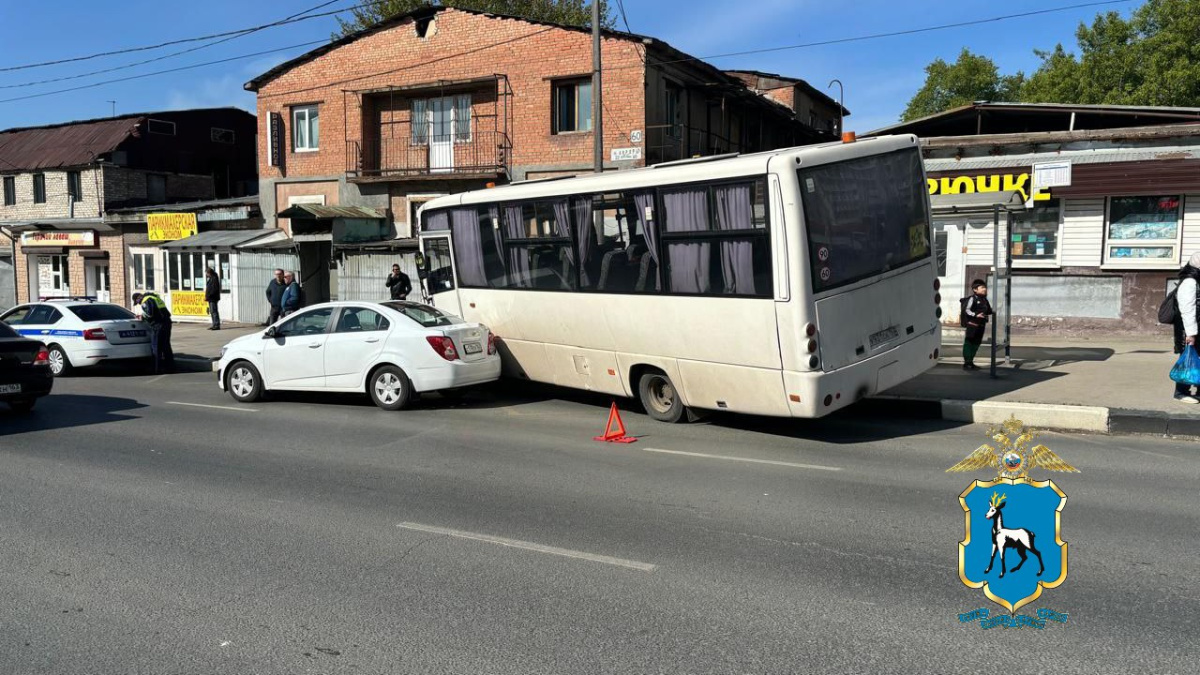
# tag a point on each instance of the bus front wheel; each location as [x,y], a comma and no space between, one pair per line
[660,398]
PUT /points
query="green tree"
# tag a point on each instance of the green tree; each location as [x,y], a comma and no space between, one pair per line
[570,12]
[970,78]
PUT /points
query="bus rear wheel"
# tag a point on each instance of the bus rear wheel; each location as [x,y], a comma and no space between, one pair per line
[660,398]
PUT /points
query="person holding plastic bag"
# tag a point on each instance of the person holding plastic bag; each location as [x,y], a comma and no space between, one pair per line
[1188,301]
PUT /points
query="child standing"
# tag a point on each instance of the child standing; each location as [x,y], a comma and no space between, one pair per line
[976,310]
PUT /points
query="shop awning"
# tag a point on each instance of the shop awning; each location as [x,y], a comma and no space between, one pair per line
[95,224]
[217,239]
[975,203]
[322,212]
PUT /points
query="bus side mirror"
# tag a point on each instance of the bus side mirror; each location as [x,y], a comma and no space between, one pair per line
[422,266]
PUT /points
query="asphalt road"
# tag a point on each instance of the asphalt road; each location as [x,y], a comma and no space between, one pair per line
[142,532]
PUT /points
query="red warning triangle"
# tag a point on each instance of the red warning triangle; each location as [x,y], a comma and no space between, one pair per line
[616,435]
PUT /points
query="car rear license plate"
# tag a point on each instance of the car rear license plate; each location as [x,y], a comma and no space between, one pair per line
[10,388]
[472,347]
[131,333]
[884,336]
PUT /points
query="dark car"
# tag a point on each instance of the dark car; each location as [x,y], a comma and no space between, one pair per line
[24,370]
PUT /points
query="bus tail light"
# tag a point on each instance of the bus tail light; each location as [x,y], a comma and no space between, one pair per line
[812,346]
[491,343]
[937,284]
[444,346]
[810,329]
[937,298]
[42,358]
[938,312]
[813,362]
[93,334]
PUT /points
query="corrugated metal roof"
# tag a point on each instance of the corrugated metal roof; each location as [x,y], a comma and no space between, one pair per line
[1105,156]
[63,146]
[320,211]
[218,239]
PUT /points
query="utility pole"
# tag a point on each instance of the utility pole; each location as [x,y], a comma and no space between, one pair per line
[114,107]
[597,96]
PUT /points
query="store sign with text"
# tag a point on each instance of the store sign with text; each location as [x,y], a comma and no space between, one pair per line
[170,226]
[56,239]
[188,303]
[995,182]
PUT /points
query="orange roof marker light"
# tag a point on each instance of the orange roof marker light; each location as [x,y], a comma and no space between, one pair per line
[490,185]
[848,137]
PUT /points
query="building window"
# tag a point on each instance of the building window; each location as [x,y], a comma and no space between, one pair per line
[143,271]
[572,106]
[186,271]
[673,109]
[161,127]
[10,190]
[219,135]
[1034,233]
[75,185]
[156,188]
[1143,231]
[39,188]
[306,129]
[441,119]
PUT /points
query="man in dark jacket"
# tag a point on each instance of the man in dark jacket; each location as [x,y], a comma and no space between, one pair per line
[275,290]
[158,318]
[976,310]
[1187,318]
[291,294]
[399,284]
[212,295]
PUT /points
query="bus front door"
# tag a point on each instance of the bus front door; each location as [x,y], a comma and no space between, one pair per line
[438,287]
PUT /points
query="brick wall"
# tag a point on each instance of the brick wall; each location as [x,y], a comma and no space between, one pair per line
[284,191]
[57,204]
[123,185]
[457,46]
[77,269]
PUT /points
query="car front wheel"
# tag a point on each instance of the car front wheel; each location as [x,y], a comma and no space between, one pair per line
[390,388]
[59,363]
[243,382]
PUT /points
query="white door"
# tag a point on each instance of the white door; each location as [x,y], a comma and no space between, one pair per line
[96,274]
[353,346]
[950,238]
[441,134]
[293,359]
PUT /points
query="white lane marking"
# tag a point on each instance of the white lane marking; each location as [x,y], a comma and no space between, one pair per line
[155,379]
[727,458]
[530,546]
[214,407]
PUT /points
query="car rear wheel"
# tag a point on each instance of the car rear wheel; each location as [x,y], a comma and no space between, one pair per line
[390,388]
[243,382]
[660,398]
[59,363]
[22,406]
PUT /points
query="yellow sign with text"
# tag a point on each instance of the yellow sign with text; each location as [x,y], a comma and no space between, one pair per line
[170,226]
[188,303]
[963,185]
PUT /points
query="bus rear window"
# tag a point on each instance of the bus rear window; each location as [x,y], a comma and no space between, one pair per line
[864,217]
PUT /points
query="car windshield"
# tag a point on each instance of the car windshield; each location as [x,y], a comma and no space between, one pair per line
[6,332]
[425,315]
[102,313]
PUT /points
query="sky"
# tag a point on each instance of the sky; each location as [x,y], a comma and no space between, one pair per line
[879,75]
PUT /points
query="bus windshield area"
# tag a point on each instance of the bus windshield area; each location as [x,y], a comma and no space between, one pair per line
[864,217]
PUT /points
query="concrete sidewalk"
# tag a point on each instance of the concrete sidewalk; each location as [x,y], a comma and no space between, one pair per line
[1117,385]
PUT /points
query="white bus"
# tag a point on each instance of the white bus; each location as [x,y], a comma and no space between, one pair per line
[788,283]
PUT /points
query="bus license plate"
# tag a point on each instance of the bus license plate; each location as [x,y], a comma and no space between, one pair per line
[472,348]
[10,388]
[883,336]
[131,333]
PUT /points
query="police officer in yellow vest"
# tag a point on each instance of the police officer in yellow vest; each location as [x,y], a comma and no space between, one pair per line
[158,317]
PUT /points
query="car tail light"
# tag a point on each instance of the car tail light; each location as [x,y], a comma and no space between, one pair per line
[93,334]
[491,343]
[42,358]
[444,346]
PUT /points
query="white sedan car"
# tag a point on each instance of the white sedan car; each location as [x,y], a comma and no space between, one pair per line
[389,350]
[80,333]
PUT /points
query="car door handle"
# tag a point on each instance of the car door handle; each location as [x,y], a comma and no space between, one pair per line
[372,340]
[315,345]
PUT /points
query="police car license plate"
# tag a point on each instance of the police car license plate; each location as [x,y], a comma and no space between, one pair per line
[131,333]
[10,388]
[883,336]
[472,348]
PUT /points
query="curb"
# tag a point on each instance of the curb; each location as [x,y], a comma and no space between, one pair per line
[195,364]
[1047,416]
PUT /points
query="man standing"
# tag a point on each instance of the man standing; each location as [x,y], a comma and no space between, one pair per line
[158,317]
[275,297]
[291,294]
[212,295]
[975,312]
[399,284]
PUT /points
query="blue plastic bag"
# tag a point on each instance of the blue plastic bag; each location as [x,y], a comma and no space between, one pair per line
[1187,368]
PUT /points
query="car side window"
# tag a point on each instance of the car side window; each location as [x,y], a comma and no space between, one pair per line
[43,315]
[360,319]
[308,323]
[17,316]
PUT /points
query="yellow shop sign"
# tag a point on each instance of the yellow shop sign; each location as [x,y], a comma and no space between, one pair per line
[188,303]
[170,226]
[963,185]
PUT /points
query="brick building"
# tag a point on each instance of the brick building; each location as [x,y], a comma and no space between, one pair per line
[61,181]
[442,100]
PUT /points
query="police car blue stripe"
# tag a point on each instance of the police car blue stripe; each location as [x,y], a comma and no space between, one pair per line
[41,332]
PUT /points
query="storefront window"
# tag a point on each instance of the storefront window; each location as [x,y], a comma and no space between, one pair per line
[186,271]
[1143,230]
[1035,232]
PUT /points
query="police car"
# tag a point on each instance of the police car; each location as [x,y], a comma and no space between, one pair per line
[80,332]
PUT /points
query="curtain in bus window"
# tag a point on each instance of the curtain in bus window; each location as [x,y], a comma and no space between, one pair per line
[585,234]
[734,212]
[645,205]
[687,211]
[468,252]
[518,262]
[439,221]
[493,217]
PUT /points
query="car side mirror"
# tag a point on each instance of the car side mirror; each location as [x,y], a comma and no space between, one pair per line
[269,333]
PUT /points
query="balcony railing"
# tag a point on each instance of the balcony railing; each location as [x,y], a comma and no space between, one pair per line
[481,153]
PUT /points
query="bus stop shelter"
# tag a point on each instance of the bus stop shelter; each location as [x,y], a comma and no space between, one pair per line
[1000,207]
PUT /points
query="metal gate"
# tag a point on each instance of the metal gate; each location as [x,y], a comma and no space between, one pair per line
[361,276]
[255,269]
